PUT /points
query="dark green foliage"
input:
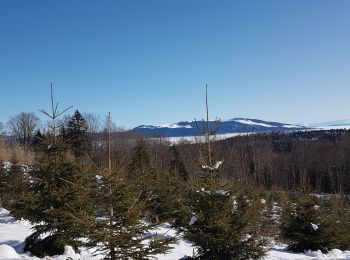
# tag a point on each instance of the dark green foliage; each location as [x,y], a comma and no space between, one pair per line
[140,162]
[218,226]
[76,133]
[176,164]
[62,207]
[38,139]
[122,234]
[218,219]
[14,190]
[316,224]
[3,184]
[51,245]
[162,190]
[341,216]
[166,197]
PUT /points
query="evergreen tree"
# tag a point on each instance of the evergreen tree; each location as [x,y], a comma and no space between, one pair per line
[62,206]
[176,164]
[161,189]
[121,232]
[14,189]
[316,224]
[76,133]
[140,162]
[38,142]
[3,184]
[217,218]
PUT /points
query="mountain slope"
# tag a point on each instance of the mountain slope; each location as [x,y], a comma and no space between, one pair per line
[235,125]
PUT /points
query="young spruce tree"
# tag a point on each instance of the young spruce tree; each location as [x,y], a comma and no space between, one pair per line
[60,189]
[316,223]
[120,232]
[217,218]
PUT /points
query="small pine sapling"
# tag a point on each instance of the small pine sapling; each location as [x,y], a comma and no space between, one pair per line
[120,232]
[61,209]
[217,223]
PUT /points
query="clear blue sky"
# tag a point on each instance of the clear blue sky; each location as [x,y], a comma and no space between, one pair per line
[147,62]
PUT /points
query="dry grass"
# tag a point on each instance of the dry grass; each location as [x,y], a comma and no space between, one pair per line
[15,153]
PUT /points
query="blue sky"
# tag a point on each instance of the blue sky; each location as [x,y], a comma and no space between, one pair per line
[147,62]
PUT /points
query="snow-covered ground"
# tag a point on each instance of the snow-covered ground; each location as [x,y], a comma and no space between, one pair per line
[13,232]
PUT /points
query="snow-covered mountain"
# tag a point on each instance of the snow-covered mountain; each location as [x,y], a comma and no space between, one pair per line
[235,125]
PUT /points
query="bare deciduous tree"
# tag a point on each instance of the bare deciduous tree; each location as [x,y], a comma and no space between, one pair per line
[1,128]
[93,122]
[23,126]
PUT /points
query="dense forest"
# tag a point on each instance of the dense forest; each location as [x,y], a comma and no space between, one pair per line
[314,161]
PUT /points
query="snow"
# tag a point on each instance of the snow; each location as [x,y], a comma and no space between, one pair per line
[217,164]
[201,139]
[174,125]
[13,232]
[192,221]
[314,226]
[333,127]
[250,122]
[221,192]
[212,168]
[292,126]
[8,252]
[7,165]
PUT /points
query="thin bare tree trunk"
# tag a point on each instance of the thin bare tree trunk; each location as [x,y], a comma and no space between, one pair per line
[110,210]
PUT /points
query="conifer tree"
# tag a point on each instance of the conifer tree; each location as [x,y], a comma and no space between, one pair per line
[62,206]
[3,184]
[60,187]
[38,142]
[218,218]
[120,232]
[176,164]
[140,163]
[316,224]
[76,132]
[17,197]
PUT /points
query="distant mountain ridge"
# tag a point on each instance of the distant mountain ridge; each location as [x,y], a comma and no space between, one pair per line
[330,123]
[235,125]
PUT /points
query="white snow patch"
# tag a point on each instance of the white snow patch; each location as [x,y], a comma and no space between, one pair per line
[221,192]
[8,252]
[192,221]
[201,139]
[250,122]
[292,126]
[174,125]
[212,168]
[314,226]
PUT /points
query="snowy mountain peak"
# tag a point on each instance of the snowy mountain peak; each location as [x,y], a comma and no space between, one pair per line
[235,125]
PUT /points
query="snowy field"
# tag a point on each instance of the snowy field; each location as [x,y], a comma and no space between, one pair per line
[13,232]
